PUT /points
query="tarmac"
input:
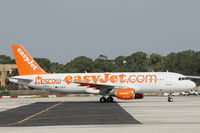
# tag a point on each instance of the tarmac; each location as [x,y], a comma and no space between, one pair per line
[86,114]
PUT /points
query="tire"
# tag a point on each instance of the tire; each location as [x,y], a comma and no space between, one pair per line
[109,99]
[102,100]
[170,99]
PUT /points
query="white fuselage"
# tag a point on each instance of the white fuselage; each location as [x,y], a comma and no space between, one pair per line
[141,82]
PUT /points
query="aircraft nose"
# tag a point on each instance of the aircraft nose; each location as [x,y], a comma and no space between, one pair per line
[193,85]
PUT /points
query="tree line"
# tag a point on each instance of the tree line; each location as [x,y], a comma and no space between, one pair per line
[185,62]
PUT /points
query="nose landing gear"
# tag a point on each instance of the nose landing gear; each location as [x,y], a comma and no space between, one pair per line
[170,99]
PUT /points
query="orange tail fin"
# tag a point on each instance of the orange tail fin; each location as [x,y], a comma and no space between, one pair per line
[25,63]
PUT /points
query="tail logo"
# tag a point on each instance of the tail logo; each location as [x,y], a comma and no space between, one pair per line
[27,59]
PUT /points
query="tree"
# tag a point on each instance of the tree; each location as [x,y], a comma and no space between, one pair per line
[120,61]
[103,64]
[156,62]
[56,68]
[44,63]
[103,57]
[185,62]
[195,64]
[6,60]
[79,64]
[137,62]
[181,62]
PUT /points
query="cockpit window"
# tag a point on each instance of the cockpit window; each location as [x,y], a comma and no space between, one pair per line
[183,78]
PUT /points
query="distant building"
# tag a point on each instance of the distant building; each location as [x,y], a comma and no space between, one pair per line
[5,71]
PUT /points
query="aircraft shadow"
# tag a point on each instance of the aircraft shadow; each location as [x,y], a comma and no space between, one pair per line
[66,113]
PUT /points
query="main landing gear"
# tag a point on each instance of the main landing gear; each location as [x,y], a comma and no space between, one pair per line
[104,99]
[170,99]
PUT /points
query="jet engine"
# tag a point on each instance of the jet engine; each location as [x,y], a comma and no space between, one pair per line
[127,94]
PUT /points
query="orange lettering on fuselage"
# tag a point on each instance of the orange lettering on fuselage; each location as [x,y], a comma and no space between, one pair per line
[111,78]
[68,79]
[95,79]
[140,78]
[40,80]
[105,79]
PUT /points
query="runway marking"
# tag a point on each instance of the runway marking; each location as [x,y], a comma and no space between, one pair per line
[30,117]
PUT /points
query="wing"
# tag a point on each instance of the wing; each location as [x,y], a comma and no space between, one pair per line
[103,88]
[97,86]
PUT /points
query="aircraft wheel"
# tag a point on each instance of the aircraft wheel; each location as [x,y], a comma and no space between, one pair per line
[109,99]
[102,99]
[170,99]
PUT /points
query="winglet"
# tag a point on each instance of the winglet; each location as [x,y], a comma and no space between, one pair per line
[25,63]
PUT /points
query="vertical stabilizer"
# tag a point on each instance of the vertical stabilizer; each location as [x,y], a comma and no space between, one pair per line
[25,63]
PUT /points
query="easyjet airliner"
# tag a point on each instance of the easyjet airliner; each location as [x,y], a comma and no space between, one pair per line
[123,85]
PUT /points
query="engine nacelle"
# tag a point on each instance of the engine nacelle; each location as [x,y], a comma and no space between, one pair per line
[127,94]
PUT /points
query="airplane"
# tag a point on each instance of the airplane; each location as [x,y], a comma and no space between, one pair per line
[122,85]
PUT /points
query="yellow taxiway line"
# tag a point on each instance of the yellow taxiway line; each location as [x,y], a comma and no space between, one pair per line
[34,115]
